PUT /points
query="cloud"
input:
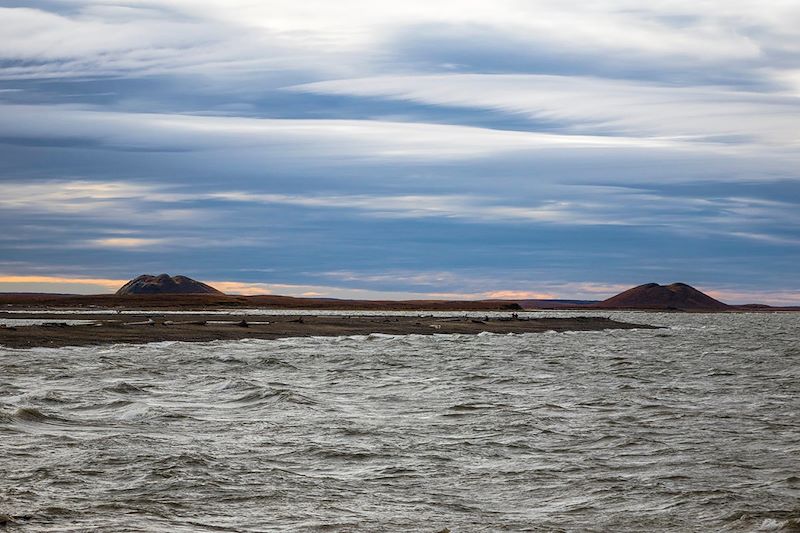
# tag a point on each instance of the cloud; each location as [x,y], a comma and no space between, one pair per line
[518,295]
[592,106]
[127,40]
[766,220]
[120,202]
[590,206]
[766,238]
[414,278]
[76,196]
[128,242]
[423,206]
[282,138]
[606,140]
[143,37]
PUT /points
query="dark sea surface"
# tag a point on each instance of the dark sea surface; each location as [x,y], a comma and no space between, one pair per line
[691,428]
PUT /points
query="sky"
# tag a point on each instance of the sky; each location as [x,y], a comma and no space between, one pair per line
[415,149]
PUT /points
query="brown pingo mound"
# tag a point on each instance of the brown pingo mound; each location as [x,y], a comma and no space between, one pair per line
[165,284]
[654,296]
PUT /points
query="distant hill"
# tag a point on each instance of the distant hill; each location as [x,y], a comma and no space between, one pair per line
[165,284]
[655,296]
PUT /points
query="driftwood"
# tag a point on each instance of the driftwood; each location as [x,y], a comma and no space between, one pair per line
[148,322]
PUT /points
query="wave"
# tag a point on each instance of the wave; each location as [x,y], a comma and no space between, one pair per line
[123,387]
[775,520]
[49,396]
[558,432]
[31,414]
[275,362]
[273,396]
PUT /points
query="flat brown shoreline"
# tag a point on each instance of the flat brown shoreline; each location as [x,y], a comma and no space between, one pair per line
[139,329]
[206,302]
[201,302]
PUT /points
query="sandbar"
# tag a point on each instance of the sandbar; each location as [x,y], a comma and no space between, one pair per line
[111,328]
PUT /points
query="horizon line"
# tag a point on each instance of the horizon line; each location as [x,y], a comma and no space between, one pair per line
[586,291]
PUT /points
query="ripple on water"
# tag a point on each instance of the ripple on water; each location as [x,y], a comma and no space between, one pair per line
[694,428]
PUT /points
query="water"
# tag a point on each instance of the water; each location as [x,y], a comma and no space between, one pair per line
[14,322]
[691,428]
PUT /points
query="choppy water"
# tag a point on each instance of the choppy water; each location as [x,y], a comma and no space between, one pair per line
[692,428]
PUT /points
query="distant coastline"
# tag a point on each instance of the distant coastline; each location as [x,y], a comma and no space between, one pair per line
[17,301]
[166,292]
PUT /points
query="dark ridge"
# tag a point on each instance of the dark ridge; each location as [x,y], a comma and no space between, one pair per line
[225,301]
[556,304]
[35,294]
[678,296]
[165,284]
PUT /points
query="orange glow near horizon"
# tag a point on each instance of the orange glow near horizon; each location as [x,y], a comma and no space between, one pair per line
[112,284]
[12,283]
[518,295]
[236,287]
